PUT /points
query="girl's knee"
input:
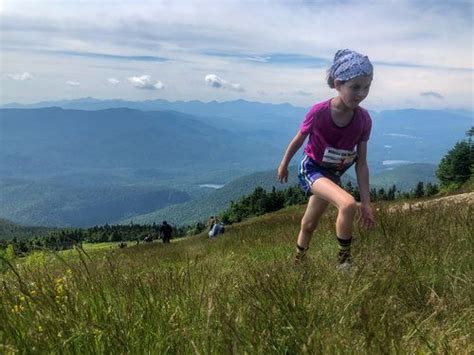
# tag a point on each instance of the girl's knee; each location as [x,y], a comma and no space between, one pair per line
[349,205]
[308,226]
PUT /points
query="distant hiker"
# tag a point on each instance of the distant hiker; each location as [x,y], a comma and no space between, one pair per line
[338,131]
[215,228]
[148,238]
[165,232]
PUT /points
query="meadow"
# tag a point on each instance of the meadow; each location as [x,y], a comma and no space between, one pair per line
[410,291]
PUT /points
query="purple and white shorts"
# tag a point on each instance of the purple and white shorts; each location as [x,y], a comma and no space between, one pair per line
[309,171]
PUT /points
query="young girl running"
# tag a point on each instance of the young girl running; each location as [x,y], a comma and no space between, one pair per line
[338,131]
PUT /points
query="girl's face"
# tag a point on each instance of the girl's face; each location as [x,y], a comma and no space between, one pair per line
[354,91]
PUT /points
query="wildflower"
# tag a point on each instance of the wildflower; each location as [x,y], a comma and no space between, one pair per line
[40,328]
[18,308]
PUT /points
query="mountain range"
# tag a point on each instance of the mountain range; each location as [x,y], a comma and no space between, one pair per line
[89,162]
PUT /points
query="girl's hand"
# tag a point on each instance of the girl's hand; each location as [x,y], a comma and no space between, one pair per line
[282,173]
[366,215]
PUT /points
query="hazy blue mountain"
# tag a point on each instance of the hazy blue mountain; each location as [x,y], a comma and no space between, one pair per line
[240,109]
[398,136]
[52,140]
[268,122]
[49,202]
[405,177]
[414,136]
[93,149]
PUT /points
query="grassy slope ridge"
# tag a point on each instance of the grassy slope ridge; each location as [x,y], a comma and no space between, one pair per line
[410,290]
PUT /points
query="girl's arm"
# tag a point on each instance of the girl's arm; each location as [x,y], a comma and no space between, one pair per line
[293,147]
[362,171]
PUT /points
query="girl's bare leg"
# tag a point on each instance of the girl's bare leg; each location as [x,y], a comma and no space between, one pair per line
[314,211]
[327,190]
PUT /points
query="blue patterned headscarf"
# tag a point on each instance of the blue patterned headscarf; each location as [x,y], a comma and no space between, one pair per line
[349,64]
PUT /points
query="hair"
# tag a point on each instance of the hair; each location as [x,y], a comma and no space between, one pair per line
[330,80]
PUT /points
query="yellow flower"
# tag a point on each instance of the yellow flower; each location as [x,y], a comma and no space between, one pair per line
[17,309]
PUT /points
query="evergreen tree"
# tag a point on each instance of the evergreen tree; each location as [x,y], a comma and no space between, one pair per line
[381,194]
[391,193]
[457,165]
[431,189]
[419,190]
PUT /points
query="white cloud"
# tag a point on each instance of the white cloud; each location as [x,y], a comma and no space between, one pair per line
[145,82]
[113,81]
[73,83]
[218,83]
[415,45]
[21,77]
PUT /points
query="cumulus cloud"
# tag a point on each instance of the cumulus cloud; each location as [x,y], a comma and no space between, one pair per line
[218,83]
[73,83]
[145,82]
[113,81]
[436,95]
[21,76]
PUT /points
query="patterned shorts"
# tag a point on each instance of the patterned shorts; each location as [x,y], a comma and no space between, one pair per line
[309,171]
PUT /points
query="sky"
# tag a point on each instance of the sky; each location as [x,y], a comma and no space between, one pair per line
[265,51]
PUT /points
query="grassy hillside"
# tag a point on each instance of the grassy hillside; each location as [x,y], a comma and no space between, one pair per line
[410,291]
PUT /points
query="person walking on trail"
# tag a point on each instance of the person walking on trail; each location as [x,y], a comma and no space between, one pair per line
[337,130]
[165,232]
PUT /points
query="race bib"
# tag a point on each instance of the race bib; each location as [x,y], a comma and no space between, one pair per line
[338,158]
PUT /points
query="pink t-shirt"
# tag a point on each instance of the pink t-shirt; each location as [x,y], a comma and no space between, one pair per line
[329,145]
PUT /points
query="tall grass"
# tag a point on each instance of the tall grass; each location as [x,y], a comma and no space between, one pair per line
[410,291]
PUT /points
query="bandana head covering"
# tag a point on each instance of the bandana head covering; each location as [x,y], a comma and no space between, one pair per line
[349,64]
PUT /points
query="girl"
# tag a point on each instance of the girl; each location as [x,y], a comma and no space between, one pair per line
[338,131]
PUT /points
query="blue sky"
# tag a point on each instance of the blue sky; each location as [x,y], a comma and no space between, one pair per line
[267,51]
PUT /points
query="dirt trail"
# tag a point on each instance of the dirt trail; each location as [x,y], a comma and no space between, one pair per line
[466,198]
